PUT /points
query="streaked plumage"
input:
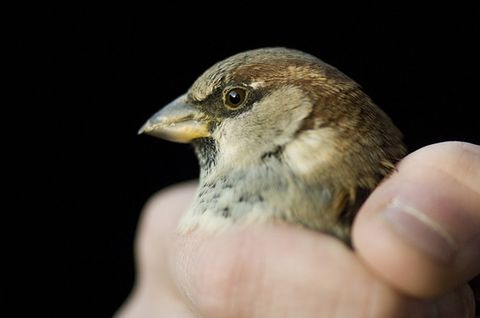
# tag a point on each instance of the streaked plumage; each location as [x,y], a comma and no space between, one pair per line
[305,145]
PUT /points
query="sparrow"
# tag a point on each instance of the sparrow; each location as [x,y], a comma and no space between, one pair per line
[280,136]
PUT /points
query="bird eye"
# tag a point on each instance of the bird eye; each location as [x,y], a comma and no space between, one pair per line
[235,97]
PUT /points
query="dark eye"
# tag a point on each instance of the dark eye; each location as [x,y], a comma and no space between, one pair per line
[235,97]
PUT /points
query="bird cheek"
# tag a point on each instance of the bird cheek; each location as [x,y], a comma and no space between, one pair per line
[313,150]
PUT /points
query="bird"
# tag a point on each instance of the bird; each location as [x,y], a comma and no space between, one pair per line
[280,136]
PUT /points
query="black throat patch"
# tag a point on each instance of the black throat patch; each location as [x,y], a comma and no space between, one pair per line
[206,150]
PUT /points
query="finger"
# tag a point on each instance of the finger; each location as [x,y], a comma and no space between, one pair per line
[154,294]
[283,271]
[158,224]
[420,230]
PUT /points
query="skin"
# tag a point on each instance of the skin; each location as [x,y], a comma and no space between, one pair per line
[282,270]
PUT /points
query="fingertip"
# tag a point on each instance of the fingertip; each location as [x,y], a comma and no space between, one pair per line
[170,197]
[161,213]
[420,230]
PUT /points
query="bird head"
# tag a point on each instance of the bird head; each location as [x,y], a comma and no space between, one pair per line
[283,105]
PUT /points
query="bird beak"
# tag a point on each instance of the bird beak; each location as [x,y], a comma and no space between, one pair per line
[179,121]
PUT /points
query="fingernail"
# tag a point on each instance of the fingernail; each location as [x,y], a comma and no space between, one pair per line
[420,230]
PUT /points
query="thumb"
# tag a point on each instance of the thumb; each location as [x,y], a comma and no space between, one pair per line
[420,230]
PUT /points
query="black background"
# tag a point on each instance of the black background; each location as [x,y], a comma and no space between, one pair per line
[98,74]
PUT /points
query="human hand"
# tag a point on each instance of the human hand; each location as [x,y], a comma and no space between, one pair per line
[282,270]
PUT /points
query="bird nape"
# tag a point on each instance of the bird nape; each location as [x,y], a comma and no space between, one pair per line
[280,136]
